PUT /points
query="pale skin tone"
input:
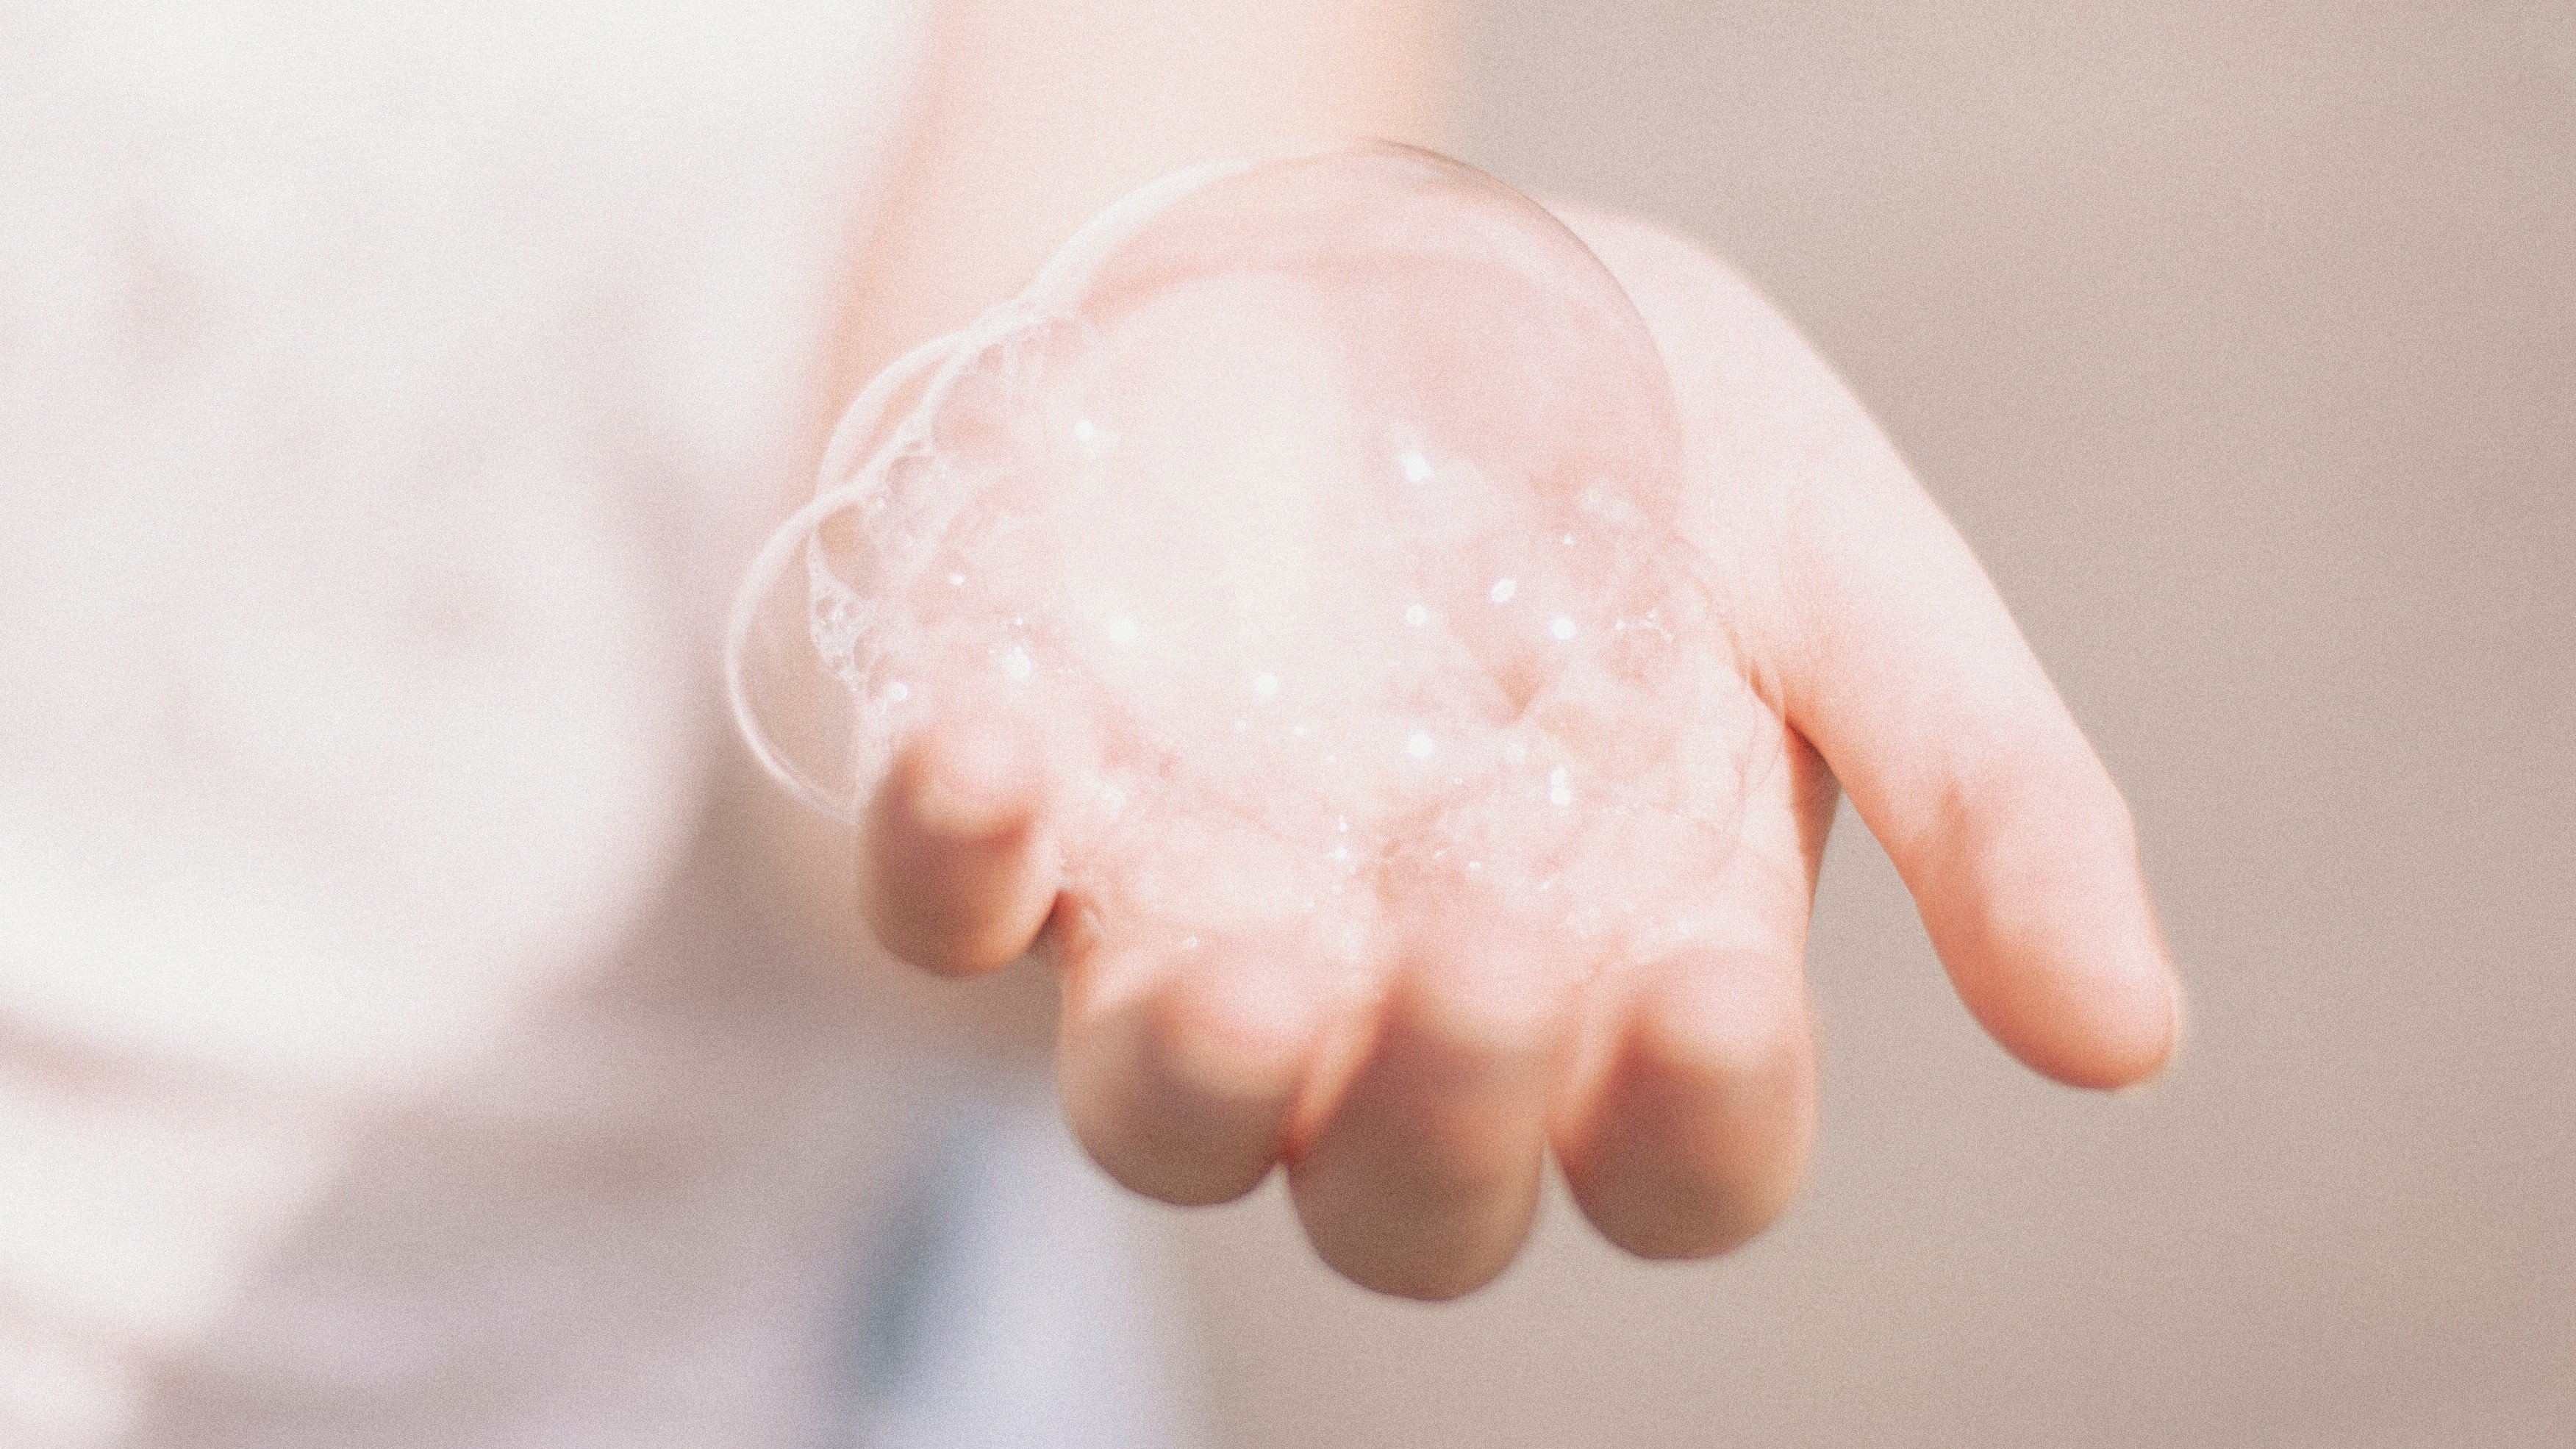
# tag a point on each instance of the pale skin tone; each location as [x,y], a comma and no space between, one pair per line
[1677,1095]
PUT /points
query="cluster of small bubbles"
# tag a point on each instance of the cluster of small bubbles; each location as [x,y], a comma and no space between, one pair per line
[1317,517]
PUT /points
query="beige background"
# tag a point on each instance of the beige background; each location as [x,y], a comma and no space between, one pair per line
[2241,339]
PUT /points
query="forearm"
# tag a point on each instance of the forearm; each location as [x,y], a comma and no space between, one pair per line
[1036,113]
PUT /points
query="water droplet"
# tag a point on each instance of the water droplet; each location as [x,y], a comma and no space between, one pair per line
[1503,589]
[1417,468]
[1560,788]
[1018,665]
[1417,616]
[1266,685]
[1561,626]
[1122,630]
[898,692]
[1419,745]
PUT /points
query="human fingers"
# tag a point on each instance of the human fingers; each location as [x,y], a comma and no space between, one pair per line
[1179,1064]
[1888,648]
[1692,1131]
[1917,688]
[1424,1174]
[1687,1110]
[956,873]
[1911,678]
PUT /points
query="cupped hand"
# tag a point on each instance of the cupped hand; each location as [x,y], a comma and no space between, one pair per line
[1413,1065]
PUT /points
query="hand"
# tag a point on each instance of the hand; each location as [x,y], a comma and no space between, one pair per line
[1412,1102]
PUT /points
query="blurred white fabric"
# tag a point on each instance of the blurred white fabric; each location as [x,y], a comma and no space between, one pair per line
[389,1052]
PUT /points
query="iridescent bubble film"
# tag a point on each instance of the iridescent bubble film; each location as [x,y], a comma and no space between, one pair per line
[1317,517]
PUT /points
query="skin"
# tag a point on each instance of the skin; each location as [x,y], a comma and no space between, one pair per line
[1414,1119]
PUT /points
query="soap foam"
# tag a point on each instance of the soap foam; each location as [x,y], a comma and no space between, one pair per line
[1318,517]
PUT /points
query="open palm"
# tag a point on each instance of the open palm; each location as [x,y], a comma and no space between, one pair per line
[1413,1071]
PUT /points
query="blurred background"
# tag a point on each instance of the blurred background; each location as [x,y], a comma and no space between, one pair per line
[2238,335]
[2240,338]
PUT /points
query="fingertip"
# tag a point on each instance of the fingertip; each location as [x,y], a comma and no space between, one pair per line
[1183,1093]
[968,783]
[2137,1032]
[954,865]
[1698,1137]
[2034,895]
[2099,1010]
[2116,1050]
[1424,1180]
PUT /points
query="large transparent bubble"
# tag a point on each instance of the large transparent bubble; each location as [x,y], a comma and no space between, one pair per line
[1317,515]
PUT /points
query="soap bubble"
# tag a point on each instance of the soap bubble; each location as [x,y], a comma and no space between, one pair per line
[1318,517]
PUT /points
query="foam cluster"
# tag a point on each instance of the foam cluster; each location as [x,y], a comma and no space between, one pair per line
[1318,517]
